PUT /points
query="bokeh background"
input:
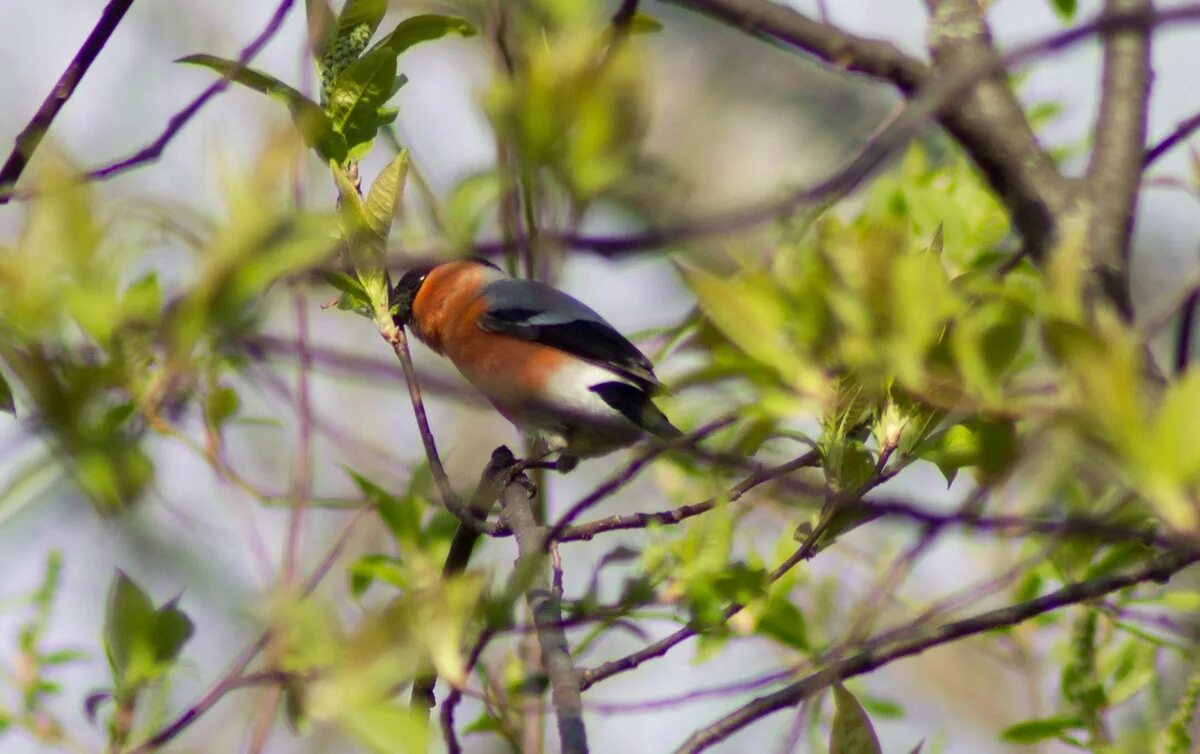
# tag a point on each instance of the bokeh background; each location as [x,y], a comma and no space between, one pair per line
[733,120]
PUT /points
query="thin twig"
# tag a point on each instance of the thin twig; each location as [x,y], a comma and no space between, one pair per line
[456,694]
[1187,327]
[230,678]
[644,520]
[626,474]
[358,366]
[302,473]
[873,656]
[1182,131]
[154,149]
[395,337]
[31,136]
[659,648]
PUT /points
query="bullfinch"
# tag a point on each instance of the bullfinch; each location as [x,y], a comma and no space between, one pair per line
[548,363]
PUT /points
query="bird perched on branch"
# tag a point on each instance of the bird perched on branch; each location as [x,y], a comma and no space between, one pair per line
[548,363]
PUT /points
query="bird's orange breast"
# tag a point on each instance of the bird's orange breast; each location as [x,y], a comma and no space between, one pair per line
[511,372]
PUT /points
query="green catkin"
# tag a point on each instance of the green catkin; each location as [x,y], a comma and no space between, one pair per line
[1176,738]
[342,50]
[1081,685]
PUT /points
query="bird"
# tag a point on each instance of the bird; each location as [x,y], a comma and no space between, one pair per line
[545,361]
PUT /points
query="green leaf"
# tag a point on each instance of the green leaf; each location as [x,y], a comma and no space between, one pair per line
[309,117]
[880,707]
[389,728]
[1064,9]
[141,643]
[403,515]
[852,731]
[172,631]
[371,568]
[383,199]
[366,225]
[7,405]
[468,201]
[359,93]
[643,23]
[142,300]
[358,12]
[1032,731]
[221,405]
[354,297]
[129,618]
[423,28]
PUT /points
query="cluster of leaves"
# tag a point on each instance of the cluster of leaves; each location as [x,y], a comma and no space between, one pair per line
[357,82]
[414,619]
[901,316]
[100,352]
[571,103]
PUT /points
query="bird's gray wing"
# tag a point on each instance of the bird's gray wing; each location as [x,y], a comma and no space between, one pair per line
[538,312]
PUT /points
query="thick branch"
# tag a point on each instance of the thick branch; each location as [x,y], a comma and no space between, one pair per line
[1114,172]
[986,120]
[547,617]
[870,57]
[874,655]
[991,126]
[31,136]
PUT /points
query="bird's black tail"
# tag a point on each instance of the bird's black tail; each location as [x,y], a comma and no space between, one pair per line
[636,405]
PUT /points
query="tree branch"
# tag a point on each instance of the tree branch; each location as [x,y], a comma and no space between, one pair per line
[1118,153]
[31,136]
[232,678]
[547,617]
[870,57]
[991,126]
[874,655]
[643,520]
[626,474]
[1186,128]
[154,149]
[464,513]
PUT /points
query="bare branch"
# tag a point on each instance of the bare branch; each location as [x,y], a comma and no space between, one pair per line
[990,124]
[1186,128]
[626,474]
[873,656]
[807,550]
[232,678]
[456,694]
[154,149]
[31,136]
[642,520]
[1118,153]
[547,616]
[468,517]
[358,366]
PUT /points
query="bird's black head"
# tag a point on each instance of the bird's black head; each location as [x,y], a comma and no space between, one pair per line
[405,292]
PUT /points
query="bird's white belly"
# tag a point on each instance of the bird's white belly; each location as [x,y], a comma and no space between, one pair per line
[571,416]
